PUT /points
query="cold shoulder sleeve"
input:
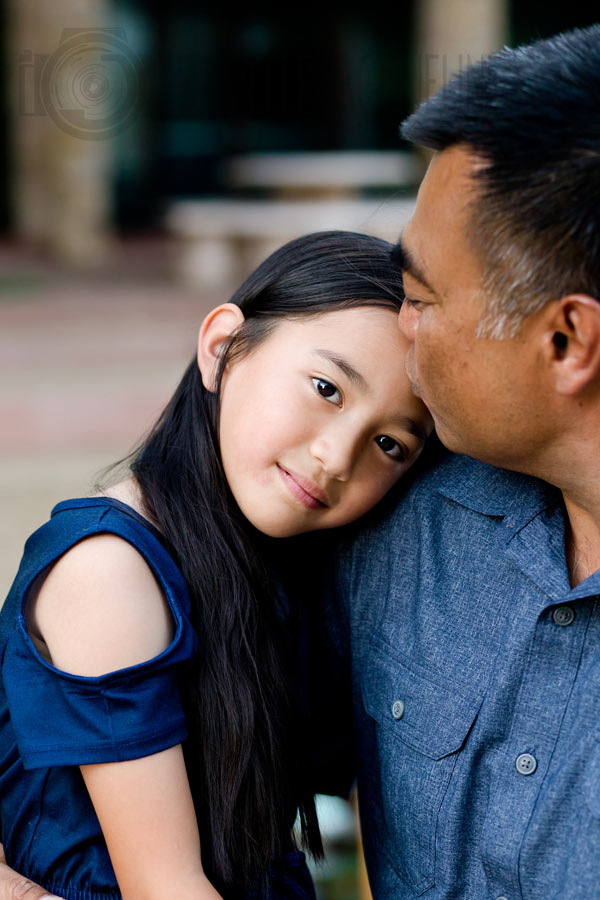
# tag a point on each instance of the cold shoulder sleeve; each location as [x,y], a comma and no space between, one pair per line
[64,719]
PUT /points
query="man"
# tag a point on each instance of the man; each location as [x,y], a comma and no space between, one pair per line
[468,611]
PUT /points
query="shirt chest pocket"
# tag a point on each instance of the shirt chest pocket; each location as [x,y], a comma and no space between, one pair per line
[414,727]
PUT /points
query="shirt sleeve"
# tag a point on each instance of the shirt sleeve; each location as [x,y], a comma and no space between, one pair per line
[61,719]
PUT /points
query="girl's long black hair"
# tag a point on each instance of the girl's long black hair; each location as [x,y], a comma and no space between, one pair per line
[243,745]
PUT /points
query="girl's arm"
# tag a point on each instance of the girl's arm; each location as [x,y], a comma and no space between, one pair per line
[147,817]
[100,609]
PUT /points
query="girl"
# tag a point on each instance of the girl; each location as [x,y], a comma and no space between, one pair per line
[148,733]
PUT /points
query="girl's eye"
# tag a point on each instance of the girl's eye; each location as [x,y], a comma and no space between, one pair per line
[391,447]
[327,390]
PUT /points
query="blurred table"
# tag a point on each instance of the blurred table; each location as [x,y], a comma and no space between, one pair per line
[279,196]
[219,242]
[332,173]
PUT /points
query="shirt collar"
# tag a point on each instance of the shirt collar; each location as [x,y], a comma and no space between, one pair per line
[495,492]
[517,499]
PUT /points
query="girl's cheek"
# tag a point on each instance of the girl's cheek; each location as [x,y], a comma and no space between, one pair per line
[381,486]
[265,477]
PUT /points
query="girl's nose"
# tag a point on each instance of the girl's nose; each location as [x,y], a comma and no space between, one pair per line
[336,454]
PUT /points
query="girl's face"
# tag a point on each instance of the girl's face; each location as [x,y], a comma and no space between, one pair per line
[319,421]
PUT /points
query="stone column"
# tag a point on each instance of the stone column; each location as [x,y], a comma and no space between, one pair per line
[61,161]
[452,34]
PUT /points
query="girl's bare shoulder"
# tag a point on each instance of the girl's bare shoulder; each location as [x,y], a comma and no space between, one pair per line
[99,608]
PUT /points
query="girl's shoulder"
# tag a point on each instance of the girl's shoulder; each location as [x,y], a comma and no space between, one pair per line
[101,683]
[98,608]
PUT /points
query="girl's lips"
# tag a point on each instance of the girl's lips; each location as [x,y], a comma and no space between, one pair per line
[302,489]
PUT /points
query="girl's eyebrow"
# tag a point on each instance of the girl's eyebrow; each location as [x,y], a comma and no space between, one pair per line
[349,371]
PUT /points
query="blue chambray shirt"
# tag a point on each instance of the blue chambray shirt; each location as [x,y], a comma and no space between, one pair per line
[476,685]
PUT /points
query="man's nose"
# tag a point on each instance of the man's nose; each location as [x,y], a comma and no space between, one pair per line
[407,321]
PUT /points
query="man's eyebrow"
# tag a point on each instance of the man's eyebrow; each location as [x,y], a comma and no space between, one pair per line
[409,264]
[344,366]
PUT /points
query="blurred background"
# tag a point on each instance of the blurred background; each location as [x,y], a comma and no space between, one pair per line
[151,154]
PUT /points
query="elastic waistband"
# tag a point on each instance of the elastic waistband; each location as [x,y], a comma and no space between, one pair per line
[67,892]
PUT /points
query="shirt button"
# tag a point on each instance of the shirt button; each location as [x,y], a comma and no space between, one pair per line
[526,764]
[563,615]
[500,898]
[397,709]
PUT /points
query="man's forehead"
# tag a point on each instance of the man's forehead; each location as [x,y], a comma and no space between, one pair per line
[417,237]
[458,162]
[436,241]
[447,191]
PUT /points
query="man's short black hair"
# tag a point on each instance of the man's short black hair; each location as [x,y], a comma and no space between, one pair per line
[533,115]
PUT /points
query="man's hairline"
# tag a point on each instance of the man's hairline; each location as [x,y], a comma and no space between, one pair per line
[481,162]
[494,324]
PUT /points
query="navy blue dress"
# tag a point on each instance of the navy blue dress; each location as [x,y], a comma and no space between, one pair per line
[51,722]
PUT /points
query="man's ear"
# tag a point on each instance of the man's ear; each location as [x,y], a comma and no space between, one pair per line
[573,343]
[215,330]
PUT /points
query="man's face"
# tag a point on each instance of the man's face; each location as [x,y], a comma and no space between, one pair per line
[484,394]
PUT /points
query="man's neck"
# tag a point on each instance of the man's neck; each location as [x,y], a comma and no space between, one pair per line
[572,465]
[582,540]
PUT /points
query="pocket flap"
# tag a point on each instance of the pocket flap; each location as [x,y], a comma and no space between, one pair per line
[417,706]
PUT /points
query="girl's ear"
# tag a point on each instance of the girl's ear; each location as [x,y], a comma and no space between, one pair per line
[216,328]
